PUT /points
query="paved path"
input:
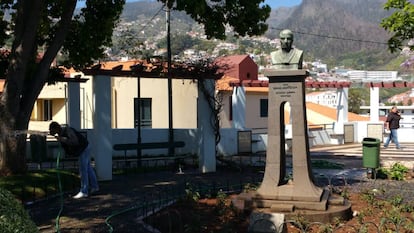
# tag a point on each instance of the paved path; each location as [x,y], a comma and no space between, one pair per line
[355,151]
[123,192]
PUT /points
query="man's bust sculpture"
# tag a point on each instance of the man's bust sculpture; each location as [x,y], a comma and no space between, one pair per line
[287,57]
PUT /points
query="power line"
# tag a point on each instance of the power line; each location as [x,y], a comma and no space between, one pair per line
[152,18]
[335,37]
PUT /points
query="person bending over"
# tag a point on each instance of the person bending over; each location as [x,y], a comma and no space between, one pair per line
[76,145]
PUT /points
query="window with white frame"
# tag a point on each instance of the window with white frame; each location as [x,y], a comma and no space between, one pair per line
[142,111]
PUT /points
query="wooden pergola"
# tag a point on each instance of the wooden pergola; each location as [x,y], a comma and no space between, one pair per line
[157,70]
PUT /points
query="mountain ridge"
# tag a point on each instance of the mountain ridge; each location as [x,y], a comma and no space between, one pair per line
[341,28]
[330,30]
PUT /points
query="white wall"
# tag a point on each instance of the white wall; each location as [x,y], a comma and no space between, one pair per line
[253,119]
[184,97]
[189,136]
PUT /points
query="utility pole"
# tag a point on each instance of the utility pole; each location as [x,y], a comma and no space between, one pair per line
[138,123]
[171,150]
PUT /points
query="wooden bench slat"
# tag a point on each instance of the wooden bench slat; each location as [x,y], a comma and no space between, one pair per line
[147,145]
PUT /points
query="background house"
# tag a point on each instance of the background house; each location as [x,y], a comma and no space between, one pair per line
[243,98]
[241,68]
[327,98]
[115,98]
[153,99]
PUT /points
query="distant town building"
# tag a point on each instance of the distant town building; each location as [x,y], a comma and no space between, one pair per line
[372,76]
[319,67]
[326,98]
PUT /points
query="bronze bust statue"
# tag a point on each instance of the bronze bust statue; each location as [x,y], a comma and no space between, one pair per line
[287,57]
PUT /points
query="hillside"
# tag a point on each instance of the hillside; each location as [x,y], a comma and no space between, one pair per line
[143,11]
[335,28]
[340,32]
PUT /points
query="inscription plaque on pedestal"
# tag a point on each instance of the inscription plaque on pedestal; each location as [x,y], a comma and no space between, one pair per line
[244,142]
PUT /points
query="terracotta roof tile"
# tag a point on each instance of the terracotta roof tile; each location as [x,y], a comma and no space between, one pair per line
[223,84]
[125,64]
[2,81]
[257,89]
[330,113]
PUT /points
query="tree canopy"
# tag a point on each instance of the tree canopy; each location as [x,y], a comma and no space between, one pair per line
[246,17]
[33,33]
[401,26]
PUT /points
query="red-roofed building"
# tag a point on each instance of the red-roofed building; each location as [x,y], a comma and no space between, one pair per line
[241,67]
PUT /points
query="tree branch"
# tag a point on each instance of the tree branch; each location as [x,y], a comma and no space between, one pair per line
[41,73]
[27,22]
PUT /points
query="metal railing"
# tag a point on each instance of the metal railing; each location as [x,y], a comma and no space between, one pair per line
[149,212]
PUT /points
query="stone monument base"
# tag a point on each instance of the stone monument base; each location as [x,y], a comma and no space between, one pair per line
[328,209]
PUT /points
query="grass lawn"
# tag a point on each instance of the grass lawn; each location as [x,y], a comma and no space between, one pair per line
[40,184]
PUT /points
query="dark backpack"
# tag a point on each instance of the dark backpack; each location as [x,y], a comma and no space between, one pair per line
[74,150]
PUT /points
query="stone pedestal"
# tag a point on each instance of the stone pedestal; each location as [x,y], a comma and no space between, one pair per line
[276,193]
[288,86]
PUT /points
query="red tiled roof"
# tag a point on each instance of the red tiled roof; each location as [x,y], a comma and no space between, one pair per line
[155,68]
[109,65]
[230,60]
[2,81]
[226,83]
[331,112]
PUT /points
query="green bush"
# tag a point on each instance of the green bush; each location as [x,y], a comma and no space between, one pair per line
[397,172]
[13,217]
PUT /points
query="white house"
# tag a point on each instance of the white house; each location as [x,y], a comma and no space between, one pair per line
[115,105]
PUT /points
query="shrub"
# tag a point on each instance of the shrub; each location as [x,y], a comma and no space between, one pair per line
[13,217]
[397,171]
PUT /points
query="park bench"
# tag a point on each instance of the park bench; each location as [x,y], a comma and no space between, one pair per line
[146,146]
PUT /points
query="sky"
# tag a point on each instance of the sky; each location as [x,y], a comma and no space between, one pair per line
[271,3]
[279,3]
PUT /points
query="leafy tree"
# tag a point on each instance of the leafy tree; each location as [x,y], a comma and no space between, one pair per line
[127,44]
[357,97]
[224,52]
[49,25]
[248,18]
[81,37]
[179,43]
[400,23]
[401,26]
[206,45]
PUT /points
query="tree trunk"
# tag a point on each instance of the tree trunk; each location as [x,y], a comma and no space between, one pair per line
[12,144]
[13,140]
[26,76]
[25,80]
[15,148]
